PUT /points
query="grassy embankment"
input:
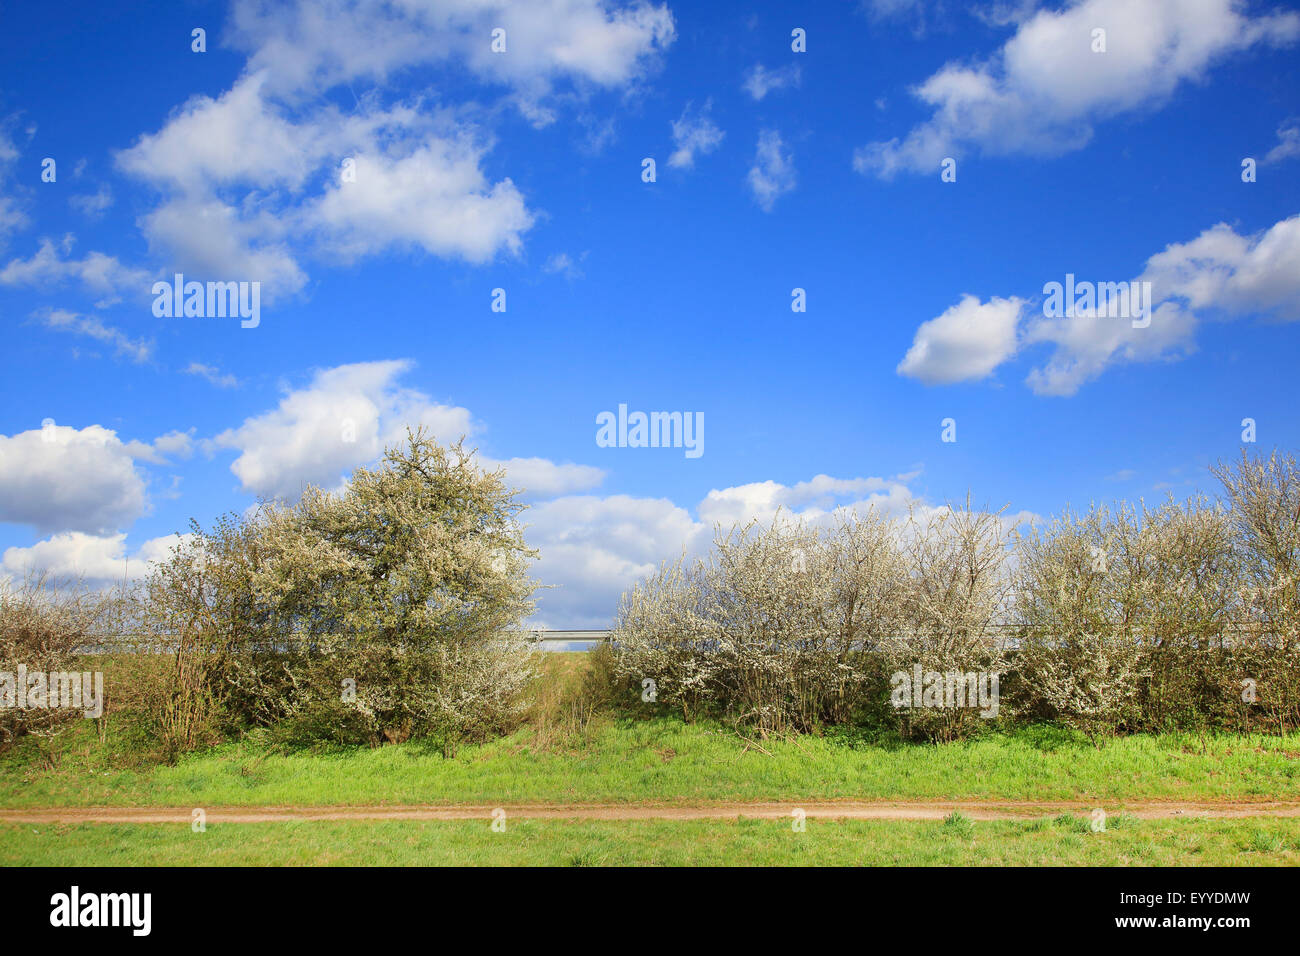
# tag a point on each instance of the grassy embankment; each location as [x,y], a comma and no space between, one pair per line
[1060,841]
[661,759]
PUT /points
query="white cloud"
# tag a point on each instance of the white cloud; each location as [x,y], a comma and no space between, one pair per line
[694,132]
[542,478]
[1288,143]
[137,350]
[760,81]
[436,198]
[1045,89]
[97,272]
[212,374]
[12,218]
[813,500]
[592,549]
[307,47]
[251,182]
[561,263]
[1006,13]
[96,560]
[248,191]
[211,239]
[1218,275]
[773,171]
[58,478]
[1237,275]
[1086,345]
[965,343]
[237,137]
[343,419]
[174,444]
[92,205]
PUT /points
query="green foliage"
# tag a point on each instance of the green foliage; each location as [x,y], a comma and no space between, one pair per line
[41,627]
[1181,616]
[385,611]
[959,825]
[792,628]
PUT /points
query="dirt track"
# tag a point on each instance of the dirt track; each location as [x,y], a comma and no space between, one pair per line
[980,810]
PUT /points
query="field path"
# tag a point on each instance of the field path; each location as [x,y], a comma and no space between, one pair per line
[928,810]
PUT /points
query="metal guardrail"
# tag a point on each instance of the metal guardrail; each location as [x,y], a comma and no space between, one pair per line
[565,639]
[570,640]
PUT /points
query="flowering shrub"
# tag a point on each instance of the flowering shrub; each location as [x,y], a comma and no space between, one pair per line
[385,611]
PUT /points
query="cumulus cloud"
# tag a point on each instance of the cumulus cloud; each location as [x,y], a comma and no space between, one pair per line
[435,198]
[813,500]
[346,416]
[1220,274]
[1223,271]
[51,265]
[237,203]
[214,240]
[96,560]
[1045,90]
[238,137]
[342,419]
[251,182]
[694,133]
[57,478]
[307,47]
[542,478]
[593,548]
[966,343]
[773,173]
[164,448]
[1087,344]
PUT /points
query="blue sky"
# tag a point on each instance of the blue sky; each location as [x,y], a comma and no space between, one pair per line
[522,170]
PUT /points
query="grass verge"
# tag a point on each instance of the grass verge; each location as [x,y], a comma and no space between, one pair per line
[626,760]
[1064,841]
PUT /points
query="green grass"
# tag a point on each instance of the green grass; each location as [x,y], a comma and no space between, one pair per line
[752,842]
[663,759]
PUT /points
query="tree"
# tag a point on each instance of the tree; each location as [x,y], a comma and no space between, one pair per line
[953,598]
[774,627]
[1264,500]
[406,591]
[1078,596]
[386,610]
